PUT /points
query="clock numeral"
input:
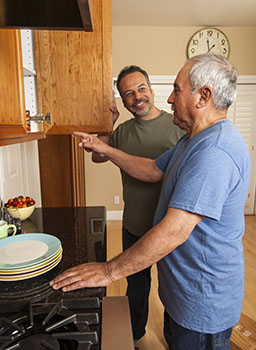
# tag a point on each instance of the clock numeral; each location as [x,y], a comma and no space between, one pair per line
[192,50]
[201,35]
[224,50]
[218,35]
[195,42]
[209,32]
[223,41]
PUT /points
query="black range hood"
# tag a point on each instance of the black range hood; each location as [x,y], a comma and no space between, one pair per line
[46,14]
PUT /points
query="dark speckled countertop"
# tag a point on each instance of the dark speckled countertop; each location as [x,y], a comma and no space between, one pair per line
[82,232]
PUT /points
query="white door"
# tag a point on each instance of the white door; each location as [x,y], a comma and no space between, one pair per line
[12,180]
[19,171]
[242,113]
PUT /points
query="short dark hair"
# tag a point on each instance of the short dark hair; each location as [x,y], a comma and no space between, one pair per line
[128,70]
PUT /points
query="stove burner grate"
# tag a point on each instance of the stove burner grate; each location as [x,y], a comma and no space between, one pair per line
[70,324]
[38,342]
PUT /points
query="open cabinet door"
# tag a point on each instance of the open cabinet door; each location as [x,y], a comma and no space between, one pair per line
[12,106]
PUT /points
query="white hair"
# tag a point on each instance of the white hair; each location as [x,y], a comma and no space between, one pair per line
[217,73]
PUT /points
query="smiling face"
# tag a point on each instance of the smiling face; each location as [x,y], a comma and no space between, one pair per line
[137,95]
[183,101]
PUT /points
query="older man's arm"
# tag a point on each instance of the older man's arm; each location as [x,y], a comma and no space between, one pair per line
[171,232]
[140,168]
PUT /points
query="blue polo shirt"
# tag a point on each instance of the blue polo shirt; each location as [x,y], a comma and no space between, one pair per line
[201,282]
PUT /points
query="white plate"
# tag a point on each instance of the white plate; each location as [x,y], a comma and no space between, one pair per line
[27,249]
[31,268]
[21,252]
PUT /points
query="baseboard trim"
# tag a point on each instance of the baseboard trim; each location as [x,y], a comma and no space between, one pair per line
[114,214]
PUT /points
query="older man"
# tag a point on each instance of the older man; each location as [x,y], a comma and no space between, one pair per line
[199,220]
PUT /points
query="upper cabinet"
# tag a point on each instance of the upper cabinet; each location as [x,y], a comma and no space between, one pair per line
[73,78]
[12,97]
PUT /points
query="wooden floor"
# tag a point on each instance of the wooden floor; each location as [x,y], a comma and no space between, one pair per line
[154,340]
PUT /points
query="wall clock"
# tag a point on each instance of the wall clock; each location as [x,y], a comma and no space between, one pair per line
[208,40]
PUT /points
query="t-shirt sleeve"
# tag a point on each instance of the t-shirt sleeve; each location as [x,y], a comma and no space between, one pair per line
[204,183]
[113,138]
[163,160]
[111,141]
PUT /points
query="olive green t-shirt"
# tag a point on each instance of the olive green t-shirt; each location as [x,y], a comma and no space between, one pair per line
[149,139]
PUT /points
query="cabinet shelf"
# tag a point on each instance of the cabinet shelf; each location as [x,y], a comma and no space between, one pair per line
[31,136]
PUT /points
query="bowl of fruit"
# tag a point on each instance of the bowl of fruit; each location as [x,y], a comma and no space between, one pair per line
[20,207]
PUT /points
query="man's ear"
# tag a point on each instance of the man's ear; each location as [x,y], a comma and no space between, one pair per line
[205,95]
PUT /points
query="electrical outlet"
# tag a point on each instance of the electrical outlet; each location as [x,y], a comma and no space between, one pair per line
[116,199]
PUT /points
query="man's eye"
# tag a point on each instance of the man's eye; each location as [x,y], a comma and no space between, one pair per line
[142,89]
[128,94]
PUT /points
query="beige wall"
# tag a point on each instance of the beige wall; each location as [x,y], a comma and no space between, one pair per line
[160,51]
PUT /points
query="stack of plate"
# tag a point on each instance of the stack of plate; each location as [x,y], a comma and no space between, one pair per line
[28,255]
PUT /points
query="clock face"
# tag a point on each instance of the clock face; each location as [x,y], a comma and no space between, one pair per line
[208,40]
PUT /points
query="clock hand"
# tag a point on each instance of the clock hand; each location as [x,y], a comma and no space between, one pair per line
[210,48]
[208,45]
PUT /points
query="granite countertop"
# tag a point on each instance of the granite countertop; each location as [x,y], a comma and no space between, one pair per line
[82,232]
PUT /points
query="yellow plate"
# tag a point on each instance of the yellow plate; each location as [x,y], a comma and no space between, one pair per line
[32,274]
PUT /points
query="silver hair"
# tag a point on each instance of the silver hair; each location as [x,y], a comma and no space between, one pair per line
[217,73]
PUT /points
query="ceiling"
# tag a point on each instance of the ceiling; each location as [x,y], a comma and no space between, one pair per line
[184,13]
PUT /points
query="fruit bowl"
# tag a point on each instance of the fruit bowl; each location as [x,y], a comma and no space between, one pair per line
[20,207]
[21,213]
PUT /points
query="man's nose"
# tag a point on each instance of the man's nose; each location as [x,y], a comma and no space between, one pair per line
[170,98]
[137,95]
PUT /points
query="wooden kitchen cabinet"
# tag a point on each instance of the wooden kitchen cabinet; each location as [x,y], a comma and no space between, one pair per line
[74,78]
[12,104]
[75,75]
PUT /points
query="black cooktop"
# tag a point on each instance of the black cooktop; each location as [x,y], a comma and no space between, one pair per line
[82,232]
[72,324]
